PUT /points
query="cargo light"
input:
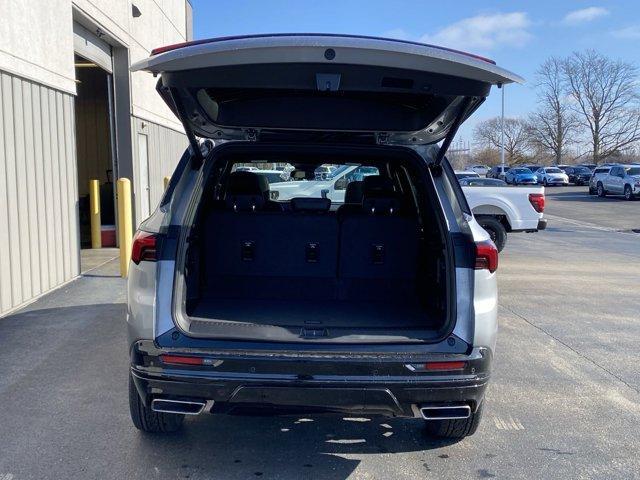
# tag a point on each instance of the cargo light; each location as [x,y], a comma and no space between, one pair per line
[486,256]
[144,247]
[537,201]
[176,46]
[181,360]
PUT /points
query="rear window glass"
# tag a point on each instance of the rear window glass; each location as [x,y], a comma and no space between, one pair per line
[323,181]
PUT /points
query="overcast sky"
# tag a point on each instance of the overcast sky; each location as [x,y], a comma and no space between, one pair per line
[518,35]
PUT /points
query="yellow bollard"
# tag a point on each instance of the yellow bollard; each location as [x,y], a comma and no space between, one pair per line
[94,213]
[166,182]
[125,229]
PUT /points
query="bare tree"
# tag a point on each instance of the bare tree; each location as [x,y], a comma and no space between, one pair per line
[553,125]
[516,137]
[486,156]
[605,94]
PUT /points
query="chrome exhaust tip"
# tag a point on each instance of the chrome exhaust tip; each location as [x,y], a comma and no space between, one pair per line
[183,407]
[449,412]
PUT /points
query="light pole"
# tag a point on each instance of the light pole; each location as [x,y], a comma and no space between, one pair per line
[501,86]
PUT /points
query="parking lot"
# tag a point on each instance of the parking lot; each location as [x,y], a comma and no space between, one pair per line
[564,400]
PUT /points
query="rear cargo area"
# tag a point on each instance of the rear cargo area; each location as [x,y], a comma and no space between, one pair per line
[369,269]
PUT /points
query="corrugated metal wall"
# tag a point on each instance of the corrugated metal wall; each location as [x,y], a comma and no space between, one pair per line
[39,244]
[165,147]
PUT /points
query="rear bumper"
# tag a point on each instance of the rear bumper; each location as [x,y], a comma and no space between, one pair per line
[369,386]
[542,224]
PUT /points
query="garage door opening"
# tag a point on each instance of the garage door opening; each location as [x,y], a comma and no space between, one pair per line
[94,146]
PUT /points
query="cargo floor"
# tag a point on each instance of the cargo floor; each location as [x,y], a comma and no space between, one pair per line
[313,313]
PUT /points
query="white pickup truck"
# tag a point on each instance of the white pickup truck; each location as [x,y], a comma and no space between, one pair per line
[498,209]
[507,209]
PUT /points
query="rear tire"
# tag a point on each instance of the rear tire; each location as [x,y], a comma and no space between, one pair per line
[147,420]
[455,428]
[495,229]
[628,193]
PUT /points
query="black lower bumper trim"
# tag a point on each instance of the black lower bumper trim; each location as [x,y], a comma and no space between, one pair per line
[251,385]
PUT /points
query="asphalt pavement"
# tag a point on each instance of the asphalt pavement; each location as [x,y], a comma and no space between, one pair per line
[564,401]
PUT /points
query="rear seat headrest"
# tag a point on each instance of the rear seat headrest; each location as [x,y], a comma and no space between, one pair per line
[247,183]
[246,191]
[310,204]
[377,186]
[354,192]
[379,196]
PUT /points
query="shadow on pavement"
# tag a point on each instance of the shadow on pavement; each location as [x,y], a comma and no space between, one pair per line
[284,447]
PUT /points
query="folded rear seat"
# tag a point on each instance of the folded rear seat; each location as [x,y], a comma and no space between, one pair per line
[253,250]
[378,246]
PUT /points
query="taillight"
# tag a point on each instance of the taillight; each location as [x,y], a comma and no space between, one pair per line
[144,247]
[486,256]
[537,201]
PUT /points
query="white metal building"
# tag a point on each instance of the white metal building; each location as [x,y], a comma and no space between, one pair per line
[70,110]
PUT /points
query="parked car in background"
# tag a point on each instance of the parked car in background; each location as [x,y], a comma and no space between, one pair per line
[598,174]
[324,171]
[482,182]
[532,167]
[466,174]
[520,176]
[578,175]
[552,176]
[480,169]
[621,180]
[562,167]
[590,166]
[497,172]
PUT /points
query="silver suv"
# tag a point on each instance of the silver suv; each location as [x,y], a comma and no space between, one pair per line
[379,302]
[598,174]
[621,180]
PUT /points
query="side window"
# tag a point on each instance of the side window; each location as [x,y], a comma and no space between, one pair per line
[455,194]
[614,171]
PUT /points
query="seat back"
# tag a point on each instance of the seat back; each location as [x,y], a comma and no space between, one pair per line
[378,246]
